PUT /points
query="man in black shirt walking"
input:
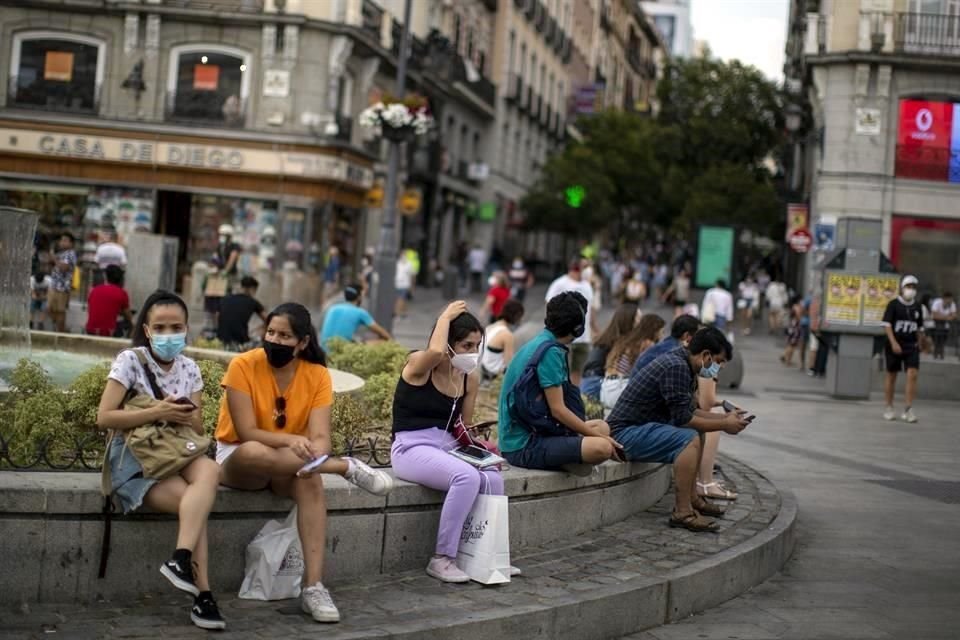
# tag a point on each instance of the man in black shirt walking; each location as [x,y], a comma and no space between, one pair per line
[902,321]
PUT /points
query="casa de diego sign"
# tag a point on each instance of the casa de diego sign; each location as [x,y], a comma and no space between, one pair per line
[179,154]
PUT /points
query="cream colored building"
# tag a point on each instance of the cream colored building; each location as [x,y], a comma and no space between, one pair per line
[627,49]
[876,84]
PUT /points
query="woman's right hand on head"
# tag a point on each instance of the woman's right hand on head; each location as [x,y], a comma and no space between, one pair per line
[302,446]
[453,310]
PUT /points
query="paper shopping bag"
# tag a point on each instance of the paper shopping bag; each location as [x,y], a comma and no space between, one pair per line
[274,562]
[484,552]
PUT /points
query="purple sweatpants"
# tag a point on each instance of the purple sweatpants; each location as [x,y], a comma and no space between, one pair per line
[421,457]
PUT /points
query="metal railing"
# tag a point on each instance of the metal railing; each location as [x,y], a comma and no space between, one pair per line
[45,96]
[927,33]
[372,18]
[207,108]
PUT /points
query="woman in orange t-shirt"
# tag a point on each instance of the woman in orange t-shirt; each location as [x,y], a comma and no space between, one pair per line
[274,419]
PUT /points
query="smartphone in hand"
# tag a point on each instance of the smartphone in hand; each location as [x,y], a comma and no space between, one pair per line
[728,406]
[187,401]
[313,464]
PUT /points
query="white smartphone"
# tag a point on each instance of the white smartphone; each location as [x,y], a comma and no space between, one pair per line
[313,464]
[477,456]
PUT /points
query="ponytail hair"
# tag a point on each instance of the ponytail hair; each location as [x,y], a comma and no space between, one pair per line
[302,326]
[158,298]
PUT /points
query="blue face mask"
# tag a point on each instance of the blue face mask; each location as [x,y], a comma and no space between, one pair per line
[168,346]
[710,372]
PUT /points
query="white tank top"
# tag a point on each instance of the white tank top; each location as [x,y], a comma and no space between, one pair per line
[492,361]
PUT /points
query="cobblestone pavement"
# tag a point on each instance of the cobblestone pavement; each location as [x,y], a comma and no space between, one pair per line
[636,549]
[877,555]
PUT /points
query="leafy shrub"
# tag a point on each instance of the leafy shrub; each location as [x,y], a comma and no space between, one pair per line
[378,398]
[83,396]
[39,419]
[212,373]
[208,343]
[367,360]
[349,421]
[29,378]
[594,409]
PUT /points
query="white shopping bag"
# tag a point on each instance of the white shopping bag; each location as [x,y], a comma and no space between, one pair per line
[484,553]
[274,562]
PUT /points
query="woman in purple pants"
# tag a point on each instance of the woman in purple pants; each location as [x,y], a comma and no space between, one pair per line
[437,389]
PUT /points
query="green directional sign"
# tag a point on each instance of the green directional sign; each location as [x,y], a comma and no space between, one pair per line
[574,195]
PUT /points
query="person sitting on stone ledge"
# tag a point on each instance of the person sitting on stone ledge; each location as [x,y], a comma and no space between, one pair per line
[434,398]
[274,419]
[655,421]
[160,335]
[586,442]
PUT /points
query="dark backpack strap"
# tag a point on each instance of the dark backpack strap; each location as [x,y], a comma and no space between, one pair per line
[152,379]
[107,512]
[541,351]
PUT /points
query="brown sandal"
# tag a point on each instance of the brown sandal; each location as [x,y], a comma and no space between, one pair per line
[693,521]
[708,508]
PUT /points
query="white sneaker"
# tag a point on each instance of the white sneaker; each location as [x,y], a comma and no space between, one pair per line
[375,481]
[515,571]
[908,416]
[317,602]
[889,414]
[446,570]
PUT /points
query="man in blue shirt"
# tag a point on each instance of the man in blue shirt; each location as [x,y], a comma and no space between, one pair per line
[681,332]
[589,442]
[343,319]
[655,420]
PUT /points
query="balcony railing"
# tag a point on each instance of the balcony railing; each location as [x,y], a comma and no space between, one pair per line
[927,33]
[61,97]
[633,57]
[514,88]
[244,6]
[204,108]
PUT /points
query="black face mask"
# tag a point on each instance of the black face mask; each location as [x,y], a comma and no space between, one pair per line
[278,355]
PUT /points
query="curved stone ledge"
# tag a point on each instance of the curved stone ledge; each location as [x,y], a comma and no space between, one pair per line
[51,526]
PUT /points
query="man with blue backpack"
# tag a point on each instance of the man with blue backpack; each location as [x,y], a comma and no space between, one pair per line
[542,419]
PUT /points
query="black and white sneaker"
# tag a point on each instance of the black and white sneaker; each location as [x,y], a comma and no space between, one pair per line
[205,613]
[180,575]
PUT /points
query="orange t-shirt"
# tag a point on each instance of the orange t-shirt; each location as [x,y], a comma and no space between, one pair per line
[250,373]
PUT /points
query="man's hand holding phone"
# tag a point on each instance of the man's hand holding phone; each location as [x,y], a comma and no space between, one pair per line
[736,421]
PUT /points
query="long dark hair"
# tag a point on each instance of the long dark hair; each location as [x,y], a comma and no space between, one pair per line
[157,298]
[460,327]
[302,326]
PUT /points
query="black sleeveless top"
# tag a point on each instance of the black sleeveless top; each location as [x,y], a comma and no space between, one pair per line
[422,407]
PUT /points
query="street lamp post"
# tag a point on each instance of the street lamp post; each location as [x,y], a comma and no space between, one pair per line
[386,260]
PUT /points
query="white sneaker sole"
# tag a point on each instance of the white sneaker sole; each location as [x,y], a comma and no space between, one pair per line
[178,582]
[448,579]
[320,616]
[210,625]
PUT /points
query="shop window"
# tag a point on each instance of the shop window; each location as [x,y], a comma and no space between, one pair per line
[58,72]
[208,84]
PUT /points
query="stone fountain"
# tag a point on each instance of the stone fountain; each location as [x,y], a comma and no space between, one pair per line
[17,229]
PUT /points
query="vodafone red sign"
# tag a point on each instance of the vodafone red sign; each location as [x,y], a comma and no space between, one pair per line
[925,124]
[800,240]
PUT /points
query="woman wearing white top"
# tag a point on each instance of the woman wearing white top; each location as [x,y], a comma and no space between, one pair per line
[498,340]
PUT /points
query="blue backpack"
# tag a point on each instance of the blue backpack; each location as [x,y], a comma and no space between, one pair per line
[529,403]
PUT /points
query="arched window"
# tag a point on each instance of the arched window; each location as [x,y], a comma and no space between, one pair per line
[56,71]
[208,84]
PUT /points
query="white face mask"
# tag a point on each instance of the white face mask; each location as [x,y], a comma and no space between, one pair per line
[492,281]
[465,362]
[909,294]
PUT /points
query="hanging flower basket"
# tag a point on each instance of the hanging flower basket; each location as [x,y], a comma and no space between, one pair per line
[397,120]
